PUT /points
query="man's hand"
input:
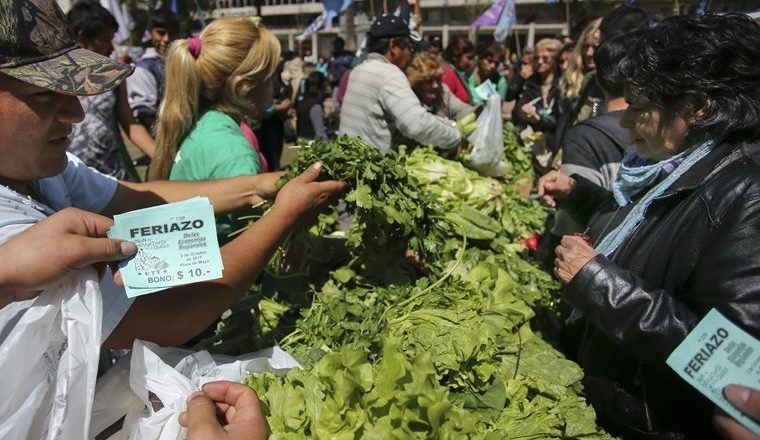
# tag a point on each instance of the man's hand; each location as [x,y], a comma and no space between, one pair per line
[49,251]
[573,253]
[224,410]
[746,400]
[554,186]
[304,194]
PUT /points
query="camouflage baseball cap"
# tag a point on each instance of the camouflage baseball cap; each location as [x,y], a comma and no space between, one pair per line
[38,47]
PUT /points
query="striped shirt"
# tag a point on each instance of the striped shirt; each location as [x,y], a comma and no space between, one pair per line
[380,106]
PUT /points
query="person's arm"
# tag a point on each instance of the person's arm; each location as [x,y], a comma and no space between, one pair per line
[135,131]
[317,116]
[225,195]
[648,321]
[581,155]
[174,316]
[456,109]
[239,406]
[49,251]
[410,117]
[142,94]
[515,86]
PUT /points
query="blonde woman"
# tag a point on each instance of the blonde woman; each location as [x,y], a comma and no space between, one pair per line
[581,96]
[424,74]
[581,61]
[214,83]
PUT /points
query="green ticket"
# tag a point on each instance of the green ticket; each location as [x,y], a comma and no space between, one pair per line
[176,245]
[715,354]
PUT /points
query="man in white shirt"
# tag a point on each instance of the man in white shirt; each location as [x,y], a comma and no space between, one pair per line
[380,106]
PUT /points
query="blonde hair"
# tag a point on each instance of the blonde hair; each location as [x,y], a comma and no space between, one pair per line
[424,67]
[551,45]
[233,69]
[572,80]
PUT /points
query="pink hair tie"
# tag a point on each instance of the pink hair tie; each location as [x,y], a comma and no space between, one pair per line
[194,45]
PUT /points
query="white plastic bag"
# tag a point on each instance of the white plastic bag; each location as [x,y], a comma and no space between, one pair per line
[49,361]
[488,140]
[151,371]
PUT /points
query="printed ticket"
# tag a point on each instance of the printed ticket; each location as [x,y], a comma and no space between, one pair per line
[176,244]
[715,354]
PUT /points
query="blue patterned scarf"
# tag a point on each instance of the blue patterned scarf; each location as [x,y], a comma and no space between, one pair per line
[632,180]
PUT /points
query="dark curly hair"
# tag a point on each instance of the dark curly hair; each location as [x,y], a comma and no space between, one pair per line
[704,68]
[457,47]
[91,19]
[608,57]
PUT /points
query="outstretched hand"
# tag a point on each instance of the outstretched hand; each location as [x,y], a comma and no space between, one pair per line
[304,195]
[224,410]
[554,186]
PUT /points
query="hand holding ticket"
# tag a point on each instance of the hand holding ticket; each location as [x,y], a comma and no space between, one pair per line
[715,354]
[176,245]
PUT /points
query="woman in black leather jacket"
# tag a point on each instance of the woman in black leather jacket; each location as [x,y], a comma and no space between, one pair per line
[681,234]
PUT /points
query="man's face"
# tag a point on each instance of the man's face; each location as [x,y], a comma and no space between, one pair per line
[35,125]
[160,37]
[400,55]
[102,44]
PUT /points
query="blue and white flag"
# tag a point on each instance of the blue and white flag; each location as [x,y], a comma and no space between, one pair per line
[315,26]
[507,19]
[333,8]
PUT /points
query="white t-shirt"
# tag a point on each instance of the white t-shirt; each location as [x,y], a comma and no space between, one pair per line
[77,186]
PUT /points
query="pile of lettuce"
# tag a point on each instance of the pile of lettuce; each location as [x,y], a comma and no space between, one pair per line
[451,351]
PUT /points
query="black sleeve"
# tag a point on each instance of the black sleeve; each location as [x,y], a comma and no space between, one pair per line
[584,199]
[579,147]
[648,321]
[528,94]
[515,87]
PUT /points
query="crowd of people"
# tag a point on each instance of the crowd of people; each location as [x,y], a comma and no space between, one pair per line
[650,156]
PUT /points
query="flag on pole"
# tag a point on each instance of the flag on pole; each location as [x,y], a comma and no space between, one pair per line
[491,16]
[333,8]
[507,19]
[313,27]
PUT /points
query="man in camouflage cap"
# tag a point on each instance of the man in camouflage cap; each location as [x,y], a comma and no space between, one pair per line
[42,71]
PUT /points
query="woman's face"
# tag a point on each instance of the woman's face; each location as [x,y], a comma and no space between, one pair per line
[428,90]
[545,61]
[488,65]
[464,61]
[655,136]
[589,47]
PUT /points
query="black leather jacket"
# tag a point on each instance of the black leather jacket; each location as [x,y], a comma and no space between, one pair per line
[697,248]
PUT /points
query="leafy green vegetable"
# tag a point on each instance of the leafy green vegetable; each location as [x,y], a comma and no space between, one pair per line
[393,353]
